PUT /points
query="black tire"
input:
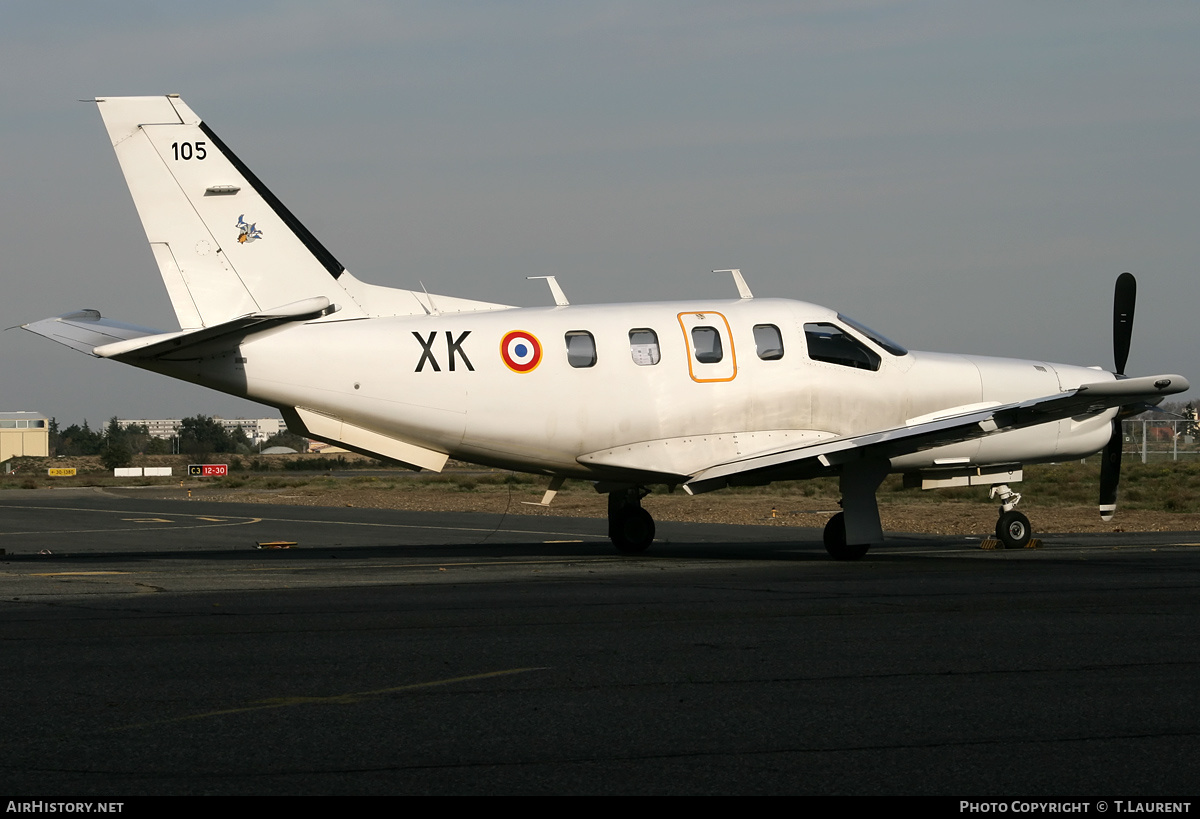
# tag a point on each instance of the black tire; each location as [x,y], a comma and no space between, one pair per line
[1013,530]
[835,540]
[632,530]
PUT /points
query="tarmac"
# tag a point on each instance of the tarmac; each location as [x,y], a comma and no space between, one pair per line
[153,647]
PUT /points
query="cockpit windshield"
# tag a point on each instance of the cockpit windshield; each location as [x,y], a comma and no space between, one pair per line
[882,340]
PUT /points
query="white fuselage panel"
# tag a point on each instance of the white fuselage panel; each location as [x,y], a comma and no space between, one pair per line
[650,388]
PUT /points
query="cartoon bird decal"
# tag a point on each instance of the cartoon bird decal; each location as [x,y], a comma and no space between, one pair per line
[248,232]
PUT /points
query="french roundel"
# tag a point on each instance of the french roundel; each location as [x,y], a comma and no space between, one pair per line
[521,351]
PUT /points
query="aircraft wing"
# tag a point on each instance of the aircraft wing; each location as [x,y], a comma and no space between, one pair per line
[1088,399]
[88,332]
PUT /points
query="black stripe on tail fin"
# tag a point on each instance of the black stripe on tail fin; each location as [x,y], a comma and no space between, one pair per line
[297,227]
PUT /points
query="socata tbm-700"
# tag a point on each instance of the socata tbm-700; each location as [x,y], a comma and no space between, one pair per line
[703,394]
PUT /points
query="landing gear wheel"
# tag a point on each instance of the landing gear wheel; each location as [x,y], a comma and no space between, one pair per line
[1013,530]
[632,530]
[835,540]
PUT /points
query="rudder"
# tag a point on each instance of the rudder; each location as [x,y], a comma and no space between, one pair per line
[225,245]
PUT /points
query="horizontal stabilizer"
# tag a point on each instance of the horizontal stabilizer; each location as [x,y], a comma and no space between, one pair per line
[85,330]
[88,332]
[197,343]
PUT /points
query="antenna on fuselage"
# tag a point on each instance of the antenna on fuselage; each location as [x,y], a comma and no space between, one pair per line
[432,308]
[743,288]
[560,298]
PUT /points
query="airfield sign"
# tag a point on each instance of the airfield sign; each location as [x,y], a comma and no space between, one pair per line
[206,470]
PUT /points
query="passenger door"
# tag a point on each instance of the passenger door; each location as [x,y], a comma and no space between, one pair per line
[711,356]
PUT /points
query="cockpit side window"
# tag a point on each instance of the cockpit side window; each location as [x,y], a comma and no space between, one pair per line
[833,345]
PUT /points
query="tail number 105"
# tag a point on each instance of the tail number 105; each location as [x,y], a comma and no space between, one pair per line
[188,150]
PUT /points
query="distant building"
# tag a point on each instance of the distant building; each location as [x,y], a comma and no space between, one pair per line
[24,433]
[160,428]
[256,429]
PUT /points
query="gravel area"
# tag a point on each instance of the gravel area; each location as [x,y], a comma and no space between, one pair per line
[916,513]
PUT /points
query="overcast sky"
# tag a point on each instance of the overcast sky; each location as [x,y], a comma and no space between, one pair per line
[965,177]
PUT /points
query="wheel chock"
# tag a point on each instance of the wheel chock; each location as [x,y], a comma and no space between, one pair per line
[991,543]
[275,544]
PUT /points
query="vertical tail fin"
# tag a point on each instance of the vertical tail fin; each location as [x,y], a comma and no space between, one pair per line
[224,244]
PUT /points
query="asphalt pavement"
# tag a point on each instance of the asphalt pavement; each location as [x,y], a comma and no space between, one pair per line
[152,647]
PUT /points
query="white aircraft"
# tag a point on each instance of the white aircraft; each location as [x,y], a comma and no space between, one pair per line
[700,394]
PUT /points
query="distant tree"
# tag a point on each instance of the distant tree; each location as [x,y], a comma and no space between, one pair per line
[116,451]
[201,434]
[138,437]
[1189,426]
[239,441]
[288,439]
[116,454]
[76,440]
[158,446]
[114,432]
[55,436]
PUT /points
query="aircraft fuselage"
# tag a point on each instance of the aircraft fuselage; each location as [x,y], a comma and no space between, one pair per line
[639,392]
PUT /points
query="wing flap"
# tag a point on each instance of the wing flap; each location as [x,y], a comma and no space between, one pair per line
[1088,399]
[682,456]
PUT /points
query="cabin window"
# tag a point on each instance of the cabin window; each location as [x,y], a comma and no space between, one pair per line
[643,346]
[769,342]
[581,349]
[832,344]
[707,343]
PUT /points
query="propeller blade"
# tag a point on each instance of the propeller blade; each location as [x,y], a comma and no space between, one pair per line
[1110,472]
[1124,299]
[1123,302]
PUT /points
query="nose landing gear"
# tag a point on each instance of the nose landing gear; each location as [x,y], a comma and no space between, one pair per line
[1012,529]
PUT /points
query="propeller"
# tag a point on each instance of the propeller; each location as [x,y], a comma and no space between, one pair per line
[1124,299]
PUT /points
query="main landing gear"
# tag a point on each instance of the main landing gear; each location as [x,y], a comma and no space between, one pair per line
[1012,529]
[835,540]
[850,533]
[630,527]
